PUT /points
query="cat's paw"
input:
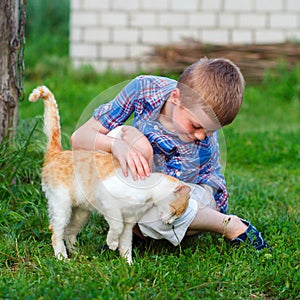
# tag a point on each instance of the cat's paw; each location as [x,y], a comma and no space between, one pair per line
[127,255]
[60,251]
[61,256]
[112,243]
[129,260]
[71,243]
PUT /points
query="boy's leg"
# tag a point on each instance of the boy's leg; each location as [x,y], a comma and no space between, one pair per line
[201,215]
[209,219]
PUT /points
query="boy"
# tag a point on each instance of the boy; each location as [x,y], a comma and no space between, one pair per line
[175,127]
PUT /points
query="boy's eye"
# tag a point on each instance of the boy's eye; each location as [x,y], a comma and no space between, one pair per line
[197,126]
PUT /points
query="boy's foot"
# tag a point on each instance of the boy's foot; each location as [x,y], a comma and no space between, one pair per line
[253,236]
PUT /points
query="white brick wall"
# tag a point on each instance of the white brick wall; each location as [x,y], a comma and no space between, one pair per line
[118,33]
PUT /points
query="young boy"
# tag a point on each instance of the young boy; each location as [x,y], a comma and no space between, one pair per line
[175,128]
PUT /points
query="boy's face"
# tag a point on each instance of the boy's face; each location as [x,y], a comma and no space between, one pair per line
[192,124]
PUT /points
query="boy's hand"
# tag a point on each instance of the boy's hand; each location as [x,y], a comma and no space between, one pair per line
[134,152]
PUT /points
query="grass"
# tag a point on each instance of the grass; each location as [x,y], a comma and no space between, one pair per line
[262,172]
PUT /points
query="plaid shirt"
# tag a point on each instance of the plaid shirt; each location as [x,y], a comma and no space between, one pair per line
[196,162]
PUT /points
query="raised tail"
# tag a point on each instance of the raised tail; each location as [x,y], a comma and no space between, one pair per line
[51,118]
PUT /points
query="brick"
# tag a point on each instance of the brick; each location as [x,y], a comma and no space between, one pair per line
[97,35]
[215,36]
[125,35]
[114,19]
[75,4]
[242,37]
[100,66]
[83,50]
[128,5]
[227,20]
[211,5]
[172,20]
[269,36]
[178,35]
[76,34]
[113,51]
[82,19]
[187,5]
[155,5]
[139,50]
[130,66]
[143,19]
[149,65]
[293,35]
[202,20]
[238,5]
[267,5]
[252,20]
[152,36]
[96,5]
[293,5]
[115,32]
[288,20]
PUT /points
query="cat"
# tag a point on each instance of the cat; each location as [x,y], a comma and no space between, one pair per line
[76,183]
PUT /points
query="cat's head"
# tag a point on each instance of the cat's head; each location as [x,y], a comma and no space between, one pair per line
[177,204]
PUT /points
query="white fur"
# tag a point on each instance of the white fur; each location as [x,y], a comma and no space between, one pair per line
[120,200]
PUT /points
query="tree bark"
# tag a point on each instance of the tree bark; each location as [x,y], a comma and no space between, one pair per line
[9,45]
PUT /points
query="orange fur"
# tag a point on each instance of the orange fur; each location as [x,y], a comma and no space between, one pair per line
[180,204]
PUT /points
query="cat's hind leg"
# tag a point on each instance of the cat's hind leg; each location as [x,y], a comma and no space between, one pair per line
[125,245]
[59,206]
[79,218]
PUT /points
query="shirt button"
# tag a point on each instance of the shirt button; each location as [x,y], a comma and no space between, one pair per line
[155,127]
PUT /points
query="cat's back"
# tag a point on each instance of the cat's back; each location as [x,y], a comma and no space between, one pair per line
[62,167]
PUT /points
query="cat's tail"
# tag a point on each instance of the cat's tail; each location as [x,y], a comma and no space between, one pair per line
[51,118]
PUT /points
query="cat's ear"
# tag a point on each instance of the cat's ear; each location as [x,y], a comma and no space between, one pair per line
[182,196]
[182,189]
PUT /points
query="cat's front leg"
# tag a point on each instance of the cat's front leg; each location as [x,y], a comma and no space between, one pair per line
[125,246]
[116,227]
[57,243]
[112,240]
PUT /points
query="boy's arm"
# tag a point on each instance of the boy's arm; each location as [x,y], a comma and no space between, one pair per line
[138,141]
[131,153]
[91,136]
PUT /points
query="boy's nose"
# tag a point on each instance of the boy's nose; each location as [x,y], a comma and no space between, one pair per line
[200,134]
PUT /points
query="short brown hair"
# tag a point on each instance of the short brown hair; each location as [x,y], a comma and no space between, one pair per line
[218,83]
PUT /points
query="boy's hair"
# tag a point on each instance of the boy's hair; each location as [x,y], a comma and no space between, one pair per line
[216,84]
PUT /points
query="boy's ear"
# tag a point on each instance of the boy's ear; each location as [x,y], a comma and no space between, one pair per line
[175,96]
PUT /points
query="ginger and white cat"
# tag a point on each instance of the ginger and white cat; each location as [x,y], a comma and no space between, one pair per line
[78,182]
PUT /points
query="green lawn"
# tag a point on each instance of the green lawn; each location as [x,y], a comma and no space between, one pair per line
[261,156]
[262,172]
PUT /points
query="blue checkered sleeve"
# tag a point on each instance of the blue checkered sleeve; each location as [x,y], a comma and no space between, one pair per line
[118,110]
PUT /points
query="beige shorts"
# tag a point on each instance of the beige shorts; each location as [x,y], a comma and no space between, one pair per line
[151,225]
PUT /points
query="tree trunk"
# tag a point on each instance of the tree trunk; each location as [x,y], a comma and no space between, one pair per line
[9,45]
